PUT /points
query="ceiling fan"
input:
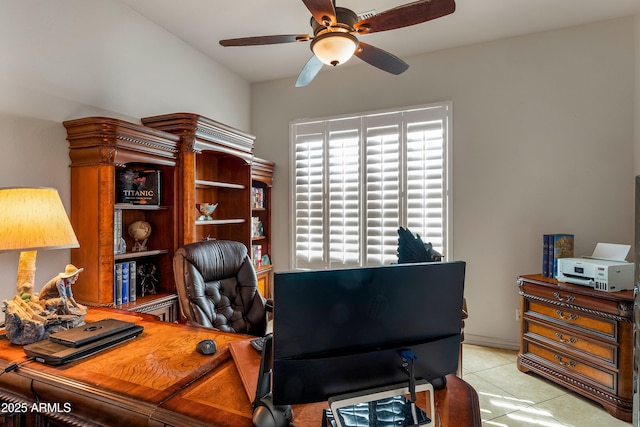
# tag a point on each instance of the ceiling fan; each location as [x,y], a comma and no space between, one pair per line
[335,31]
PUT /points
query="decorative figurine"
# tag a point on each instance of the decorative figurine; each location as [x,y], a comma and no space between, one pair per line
[148,280]
[57,296]
[31,317]
[206,209]
[140,232]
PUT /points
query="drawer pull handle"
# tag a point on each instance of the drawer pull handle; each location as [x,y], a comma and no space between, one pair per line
[571,340]
[571,363]
[572,316]
[563,299]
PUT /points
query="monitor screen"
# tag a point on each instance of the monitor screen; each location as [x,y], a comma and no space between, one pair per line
[343,331]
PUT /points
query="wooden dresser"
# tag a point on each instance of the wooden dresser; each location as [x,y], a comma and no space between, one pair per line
[579,338]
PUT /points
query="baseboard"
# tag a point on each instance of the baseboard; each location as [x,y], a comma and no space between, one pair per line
[490,342]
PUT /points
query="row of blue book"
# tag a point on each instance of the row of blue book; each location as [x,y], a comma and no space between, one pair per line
[124,282]
[555,246]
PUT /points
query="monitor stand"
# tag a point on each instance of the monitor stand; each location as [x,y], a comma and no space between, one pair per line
[371,407]
[383,406]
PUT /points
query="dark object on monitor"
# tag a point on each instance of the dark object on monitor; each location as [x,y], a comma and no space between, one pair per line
[265,413]
[341,331]
[53,353]
[412,249]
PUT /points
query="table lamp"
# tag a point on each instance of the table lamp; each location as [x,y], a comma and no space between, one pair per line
[32,219]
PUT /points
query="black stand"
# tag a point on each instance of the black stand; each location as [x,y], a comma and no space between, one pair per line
[363,407]
[265,413]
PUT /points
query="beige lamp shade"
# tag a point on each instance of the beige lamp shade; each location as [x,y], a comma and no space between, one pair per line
[33,219]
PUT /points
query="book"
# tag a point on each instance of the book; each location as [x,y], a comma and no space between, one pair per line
[545,254]
[117,284]
[119,245]
[257,255]
[138,187]
[125,282]
[257,198]
[559,246]
[133,279]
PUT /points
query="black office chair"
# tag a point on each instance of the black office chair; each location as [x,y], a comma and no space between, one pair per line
[217,287]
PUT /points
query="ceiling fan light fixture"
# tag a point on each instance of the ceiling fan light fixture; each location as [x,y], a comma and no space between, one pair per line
[334,48]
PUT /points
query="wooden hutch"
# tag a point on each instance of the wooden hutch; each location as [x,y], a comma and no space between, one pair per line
[100,148]
[199,161]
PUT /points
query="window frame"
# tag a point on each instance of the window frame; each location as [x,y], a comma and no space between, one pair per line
[445,107]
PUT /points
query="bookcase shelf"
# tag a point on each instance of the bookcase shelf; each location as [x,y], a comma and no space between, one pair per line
[132,207]
[142,254]
[204,184]
[221,222]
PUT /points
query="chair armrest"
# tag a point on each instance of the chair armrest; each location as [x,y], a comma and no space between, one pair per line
[269,304]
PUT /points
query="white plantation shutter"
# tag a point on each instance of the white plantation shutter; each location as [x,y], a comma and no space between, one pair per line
[357,179]
[425,154]
[309,193]
[383,187]
[344,193]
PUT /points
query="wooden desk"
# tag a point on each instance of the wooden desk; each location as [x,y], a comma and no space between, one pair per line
[159,379]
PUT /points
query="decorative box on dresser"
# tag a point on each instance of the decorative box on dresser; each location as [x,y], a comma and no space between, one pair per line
[579,338]
[100,148]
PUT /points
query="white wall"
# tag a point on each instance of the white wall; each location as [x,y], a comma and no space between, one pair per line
[68,59]
[543,131]
[637,99]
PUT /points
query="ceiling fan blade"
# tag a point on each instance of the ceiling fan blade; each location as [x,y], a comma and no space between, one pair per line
[309,71]
[261,40]
[322,10]
[381,59]
[406,15]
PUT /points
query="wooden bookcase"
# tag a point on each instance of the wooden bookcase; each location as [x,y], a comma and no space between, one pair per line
[215,167]
[261,183]
[200,161]
[99,148]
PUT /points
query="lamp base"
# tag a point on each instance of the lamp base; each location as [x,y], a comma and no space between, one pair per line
[26,272]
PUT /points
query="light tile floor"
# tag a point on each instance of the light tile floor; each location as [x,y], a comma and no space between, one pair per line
[510,398]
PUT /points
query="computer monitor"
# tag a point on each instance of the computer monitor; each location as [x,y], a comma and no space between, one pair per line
[343,331]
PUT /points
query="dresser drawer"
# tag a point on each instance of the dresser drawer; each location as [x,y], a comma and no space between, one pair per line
[604,303]
[572,367]
[605,328]
[571,341]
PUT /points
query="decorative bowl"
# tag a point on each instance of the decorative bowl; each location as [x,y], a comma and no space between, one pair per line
[206,209]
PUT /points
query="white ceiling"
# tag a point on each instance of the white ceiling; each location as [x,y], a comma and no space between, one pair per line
[202,23]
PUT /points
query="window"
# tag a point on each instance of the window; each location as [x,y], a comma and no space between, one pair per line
[357,179]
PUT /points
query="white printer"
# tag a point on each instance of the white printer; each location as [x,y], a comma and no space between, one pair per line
[606,270]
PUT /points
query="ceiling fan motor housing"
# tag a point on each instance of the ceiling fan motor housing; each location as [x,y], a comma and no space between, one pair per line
[346,19]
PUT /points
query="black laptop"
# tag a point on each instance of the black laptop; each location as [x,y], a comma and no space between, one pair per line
[82,341]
